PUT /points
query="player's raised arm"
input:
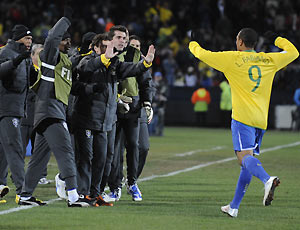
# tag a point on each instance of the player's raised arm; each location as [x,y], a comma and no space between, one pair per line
[217,60]
[289,53]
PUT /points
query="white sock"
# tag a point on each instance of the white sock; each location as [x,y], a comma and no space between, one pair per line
[25,198]
[73,195]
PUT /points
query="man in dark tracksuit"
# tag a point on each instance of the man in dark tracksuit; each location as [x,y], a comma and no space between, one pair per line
[52,91]
[27,123]
[93,116]
[139,89]
[145,118]
[78,88]
[14,83]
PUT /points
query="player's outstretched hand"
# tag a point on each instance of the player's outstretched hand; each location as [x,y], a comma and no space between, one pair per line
[270,37]
[68,12]
[196,36]
[150,55]
[109,53]
[25,54]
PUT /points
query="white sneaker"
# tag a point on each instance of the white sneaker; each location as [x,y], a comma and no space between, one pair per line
[60,188]
[270,186]
[232,212]
[107,198]
[44,181]
[3,190]
[115,195]
[135,192]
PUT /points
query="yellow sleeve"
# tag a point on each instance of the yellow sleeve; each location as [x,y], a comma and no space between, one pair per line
[105,61]
[146,64]
[289,53]
[218,60]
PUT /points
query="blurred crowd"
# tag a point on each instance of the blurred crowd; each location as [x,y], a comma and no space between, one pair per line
[167,24]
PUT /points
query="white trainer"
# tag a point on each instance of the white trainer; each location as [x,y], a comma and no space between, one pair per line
[3,190]
[107,198]
[232,212]
[60,188]
[270,186]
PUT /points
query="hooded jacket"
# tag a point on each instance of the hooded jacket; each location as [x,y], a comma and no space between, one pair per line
[14,83]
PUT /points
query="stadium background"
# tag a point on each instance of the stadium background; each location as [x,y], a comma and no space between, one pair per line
[167,24]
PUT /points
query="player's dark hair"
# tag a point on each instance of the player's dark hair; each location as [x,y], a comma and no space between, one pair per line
[97,40]
[134,37]
[111,32]
[249,37]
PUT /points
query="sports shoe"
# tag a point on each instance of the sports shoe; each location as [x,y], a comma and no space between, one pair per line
[101,202]
[270,186]
[44,181]
[107,198]
[232,212]
[31,201]
[135,192]
[3,190]
[115,195]
[82,202]
[60,188]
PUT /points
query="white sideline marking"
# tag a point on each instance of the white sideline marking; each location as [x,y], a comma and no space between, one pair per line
[25,207]
[215,162]
[166,175]
[187,169]
[199,151]
[280,147]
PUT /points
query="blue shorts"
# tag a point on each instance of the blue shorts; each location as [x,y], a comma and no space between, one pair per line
[245,137]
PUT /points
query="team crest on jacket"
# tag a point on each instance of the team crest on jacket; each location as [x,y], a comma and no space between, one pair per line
[65,126]
[88,133]
[15,122]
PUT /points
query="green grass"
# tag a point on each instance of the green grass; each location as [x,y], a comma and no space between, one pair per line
[189,200]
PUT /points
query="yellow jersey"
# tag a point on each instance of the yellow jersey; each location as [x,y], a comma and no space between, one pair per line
[250,76]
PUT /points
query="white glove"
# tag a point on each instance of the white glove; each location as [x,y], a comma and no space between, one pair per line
[149,111]
[123,108]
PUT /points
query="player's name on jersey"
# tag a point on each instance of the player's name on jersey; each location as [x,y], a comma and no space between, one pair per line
[255,58]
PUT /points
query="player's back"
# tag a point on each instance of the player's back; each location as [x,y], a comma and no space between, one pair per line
[250,76]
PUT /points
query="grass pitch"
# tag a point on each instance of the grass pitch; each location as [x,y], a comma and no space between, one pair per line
[184,183]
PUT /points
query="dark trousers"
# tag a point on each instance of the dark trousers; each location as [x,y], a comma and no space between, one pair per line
[11,152]
[91,149]
[27,134]
[109,158]
[143,146]
[116,172]
[131,128]
[54,137]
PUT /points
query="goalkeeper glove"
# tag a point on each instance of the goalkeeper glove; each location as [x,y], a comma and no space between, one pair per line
[123,107]
[149,111]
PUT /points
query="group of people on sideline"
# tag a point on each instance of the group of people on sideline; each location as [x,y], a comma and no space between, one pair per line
[86,108]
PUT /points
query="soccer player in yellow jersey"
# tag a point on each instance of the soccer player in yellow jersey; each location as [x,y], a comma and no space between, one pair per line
[250,75]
